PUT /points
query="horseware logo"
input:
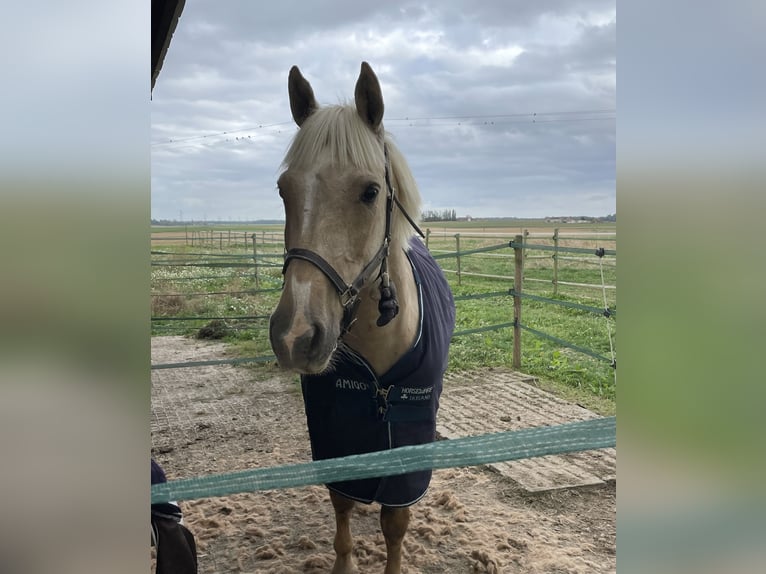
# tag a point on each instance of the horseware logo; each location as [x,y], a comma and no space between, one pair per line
[419,394]
[350,384]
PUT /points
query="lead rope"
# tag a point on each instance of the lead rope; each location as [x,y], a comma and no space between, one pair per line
[607,313]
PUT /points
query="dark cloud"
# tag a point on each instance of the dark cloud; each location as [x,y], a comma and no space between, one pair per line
[444,68]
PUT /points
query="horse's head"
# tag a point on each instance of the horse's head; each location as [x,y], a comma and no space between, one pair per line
[335,196]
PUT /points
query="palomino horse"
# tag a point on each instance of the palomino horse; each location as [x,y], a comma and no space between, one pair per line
[366,315]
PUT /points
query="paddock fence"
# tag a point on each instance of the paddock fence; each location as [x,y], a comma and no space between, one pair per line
[254,260]
[203,276]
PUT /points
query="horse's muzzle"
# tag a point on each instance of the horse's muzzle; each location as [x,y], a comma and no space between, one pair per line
[305,348]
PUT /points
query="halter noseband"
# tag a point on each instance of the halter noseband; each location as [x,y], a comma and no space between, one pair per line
[388,306]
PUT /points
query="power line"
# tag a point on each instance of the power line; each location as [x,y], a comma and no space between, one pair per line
[533,121]
[219,134]
[518,115]
[534,117]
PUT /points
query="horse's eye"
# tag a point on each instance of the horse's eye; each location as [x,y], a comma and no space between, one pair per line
[369,194]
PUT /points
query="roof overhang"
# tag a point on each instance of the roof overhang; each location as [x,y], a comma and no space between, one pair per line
[165,15]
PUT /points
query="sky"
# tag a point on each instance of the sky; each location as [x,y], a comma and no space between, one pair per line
[502,108]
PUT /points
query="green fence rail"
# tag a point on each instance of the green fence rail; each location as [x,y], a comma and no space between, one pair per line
[470,451]
[520,245]
[608,311]
[567,344]
[211,363]
[210,318]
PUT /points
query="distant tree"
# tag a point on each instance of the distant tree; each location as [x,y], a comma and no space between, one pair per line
[443,215]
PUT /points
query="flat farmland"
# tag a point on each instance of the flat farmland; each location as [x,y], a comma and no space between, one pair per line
[200,273]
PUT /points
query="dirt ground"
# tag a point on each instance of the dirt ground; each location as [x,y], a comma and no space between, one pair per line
[211,420]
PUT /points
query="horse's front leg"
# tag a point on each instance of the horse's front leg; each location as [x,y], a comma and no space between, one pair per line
[344,561]
[394,522]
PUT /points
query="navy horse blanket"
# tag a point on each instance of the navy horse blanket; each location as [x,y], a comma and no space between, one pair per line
[352,410]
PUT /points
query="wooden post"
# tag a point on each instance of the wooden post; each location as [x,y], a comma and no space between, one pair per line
[428,235]
[228,241]
[255,261]
[186,234]
[518,275]
[526,240]
[220,240]
[555,261]
[457,251]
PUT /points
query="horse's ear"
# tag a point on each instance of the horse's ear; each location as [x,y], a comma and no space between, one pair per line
[368,97]
[302,102]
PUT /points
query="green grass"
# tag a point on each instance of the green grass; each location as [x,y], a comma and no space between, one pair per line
[506,223]
[568,373]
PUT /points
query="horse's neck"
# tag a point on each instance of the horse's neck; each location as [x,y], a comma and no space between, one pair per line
[382,346]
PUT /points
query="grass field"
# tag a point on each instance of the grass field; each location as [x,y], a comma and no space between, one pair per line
[215,278]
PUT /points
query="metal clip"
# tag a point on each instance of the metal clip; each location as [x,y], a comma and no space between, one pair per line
[382,405]
[348,297]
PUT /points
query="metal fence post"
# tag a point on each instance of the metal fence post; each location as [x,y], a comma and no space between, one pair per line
[518,274]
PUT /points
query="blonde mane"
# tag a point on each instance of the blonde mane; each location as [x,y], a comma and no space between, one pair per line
[337,134]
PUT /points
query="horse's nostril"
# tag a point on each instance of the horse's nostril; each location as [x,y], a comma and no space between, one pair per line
[310,346]
[316,340]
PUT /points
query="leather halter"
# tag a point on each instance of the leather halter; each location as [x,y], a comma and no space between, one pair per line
[349,293]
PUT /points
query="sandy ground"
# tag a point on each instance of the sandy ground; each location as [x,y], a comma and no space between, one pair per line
[212,420]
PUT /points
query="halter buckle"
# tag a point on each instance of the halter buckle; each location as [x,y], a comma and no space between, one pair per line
[348,297]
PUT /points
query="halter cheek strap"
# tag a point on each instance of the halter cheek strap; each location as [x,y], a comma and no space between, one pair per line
[349,294]
[388,306]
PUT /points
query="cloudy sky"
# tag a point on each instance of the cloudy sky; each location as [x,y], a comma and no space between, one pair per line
[502,107]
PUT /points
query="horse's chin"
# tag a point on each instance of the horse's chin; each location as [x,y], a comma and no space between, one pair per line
[318,366]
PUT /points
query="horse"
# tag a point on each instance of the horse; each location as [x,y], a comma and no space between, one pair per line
[366,315]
